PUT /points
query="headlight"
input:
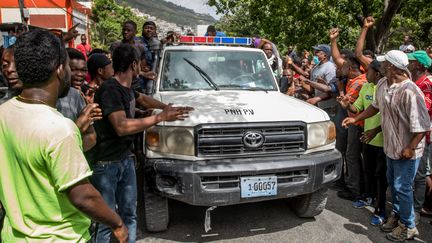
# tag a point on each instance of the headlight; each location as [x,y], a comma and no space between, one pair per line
[171,140]
[320,134]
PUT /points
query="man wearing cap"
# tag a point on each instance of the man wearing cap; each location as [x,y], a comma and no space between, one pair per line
[348,68]
[405,121]
[100,69]
[149,38]
[419,62]
[325,70]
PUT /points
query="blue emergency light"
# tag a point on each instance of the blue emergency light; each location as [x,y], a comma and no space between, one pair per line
[211,40]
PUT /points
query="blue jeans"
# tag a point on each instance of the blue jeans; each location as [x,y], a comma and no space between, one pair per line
[423,171]
[116,181]
[400,176]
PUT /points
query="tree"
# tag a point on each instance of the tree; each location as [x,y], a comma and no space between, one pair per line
[305,23]
[107,20]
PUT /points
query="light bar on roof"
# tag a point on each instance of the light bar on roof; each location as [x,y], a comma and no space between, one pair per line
[213,40]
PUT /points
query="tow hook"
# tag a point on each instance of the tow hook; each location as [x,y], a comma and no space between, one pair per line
[207,221]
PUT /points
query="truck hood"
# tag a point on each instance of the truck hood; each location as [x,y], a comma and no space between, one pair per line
[227,106]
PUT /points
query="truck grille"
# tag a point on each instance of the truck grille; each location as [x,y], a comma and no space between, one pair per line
[229,139]
[233,182]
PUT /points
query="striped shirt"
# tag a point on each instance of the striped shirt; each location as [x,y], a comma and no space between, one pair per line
[403,113]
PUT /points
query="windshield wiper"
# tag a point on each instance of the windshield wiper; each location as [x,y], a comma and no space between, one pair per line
[230,86]
[243,87]
[203,74]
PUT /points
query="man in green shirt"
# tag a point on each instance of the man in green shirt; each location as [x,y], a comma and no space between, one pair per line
[43,178]
[374,161]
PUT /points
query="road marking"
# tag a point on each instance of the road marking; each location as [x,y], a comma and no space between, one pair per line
[259,229]
[210,235]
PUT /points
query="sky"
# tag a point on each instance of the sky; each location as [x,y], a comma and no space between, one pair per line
[199,6]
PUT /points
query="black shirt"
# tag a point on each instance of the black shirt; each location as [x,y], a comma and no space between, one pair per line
[112,97]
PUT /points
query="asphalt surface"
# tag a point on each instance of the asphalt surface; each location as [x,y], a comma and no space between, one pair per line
[273,221]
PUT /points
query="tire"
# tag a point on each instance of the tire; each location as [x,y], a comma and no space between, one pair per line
[156,211]
[309,205]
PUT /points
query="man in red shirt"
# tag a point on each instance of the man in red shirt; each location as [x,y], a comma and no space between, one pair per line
[84,48]
[419,62]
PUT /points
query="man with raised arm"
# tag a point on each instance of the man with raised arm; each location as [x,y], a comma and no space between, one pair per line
[405,121]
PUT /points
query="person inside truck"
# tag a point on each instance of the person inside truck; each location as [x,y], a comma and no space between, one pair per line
[211,31]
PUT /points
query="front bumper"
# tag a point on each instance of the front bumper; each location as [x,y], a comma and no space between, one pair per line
[217,181]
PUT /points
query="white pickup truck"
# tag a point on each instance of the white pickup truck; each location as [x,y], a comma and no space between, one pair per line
[244,142]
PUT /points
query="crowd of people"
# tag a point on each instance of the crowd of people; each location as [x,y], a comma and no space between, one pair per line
[69,119]
[67,123]
[381,106]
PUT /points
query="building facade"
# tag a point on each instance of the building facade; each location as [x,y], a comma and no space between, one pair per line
[50,14]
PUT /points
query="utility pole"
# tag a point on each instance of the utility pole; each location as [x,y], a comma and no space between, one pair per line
[23,17]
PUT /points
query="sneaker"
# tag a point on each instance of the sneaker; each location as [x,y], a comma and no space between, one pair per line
[426,212]
[346,194]
[402,233]
[362,203]
[391,223]
[377,220]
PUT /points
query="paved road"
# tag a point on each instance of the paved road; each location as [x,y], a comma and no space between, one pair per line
[273,221]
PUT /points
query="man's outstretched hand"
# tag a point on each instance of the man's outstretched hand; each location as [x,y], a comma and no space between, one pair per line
[71,34]
[348,121]
[171,113]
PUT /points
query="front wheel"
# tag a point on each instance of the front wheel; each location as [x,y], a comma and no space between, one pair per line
[309,205]
[156,211]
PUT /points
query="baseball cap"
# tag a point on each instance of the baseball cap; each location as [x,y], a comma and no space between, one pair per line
[398,58]
[325,48]
[96,61]
[149,23]
[422,57]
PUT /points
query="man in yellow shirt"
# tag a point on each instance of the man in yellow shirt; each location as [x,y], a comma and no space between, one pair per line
[43,178]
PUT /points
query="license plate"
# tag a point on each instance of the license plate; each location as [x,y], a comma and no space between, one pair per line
[258,186]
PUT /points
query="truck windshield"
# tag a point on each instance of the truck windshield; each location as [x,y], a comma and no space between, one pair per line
[227,70]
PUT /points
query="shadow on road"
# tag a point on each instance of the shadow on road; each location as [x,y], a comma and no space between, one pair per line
[360,220]
[340,222]
[228,222]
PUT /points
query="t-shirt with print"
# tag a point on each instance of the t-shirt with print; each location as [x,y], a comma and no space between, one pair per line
[352,89]
[72,104]
[40,158]
[326,71]
[112,97]
[403,113]
[364,100]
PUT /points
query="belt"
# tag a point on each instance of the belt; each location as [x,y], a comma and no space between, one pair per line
[108,162]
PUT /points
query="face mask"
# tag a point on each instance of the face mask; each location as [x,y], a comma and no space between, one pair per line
[315,60]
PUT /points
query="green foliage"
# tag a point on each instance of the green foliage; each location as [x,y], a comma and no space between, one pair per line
[107,20]
[304,23]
